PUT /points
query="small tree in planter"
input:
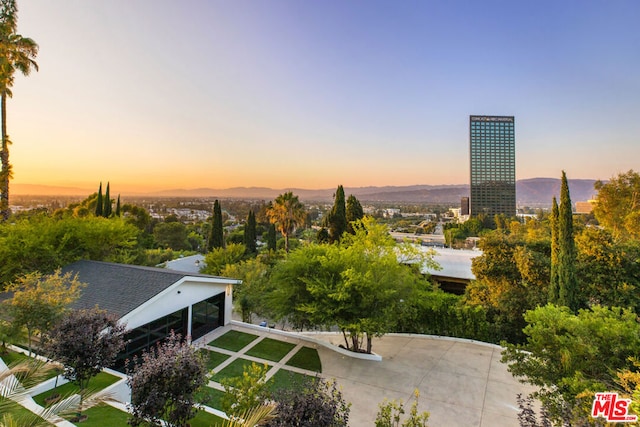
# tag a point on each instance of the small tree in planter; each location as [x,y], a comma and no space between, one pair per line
[85,342]
[164,382]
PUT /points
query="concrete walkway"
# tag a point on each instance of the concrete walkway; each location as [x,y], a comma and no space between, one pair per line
[462,383]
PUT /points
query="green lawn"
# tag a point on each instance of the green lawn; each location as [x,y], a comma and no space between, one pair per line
[234,369]
[97,383]
[306,358]
[13,357]
[24,414]
[287,379]
[210,397]
[270,349]
[214,358]
[233,340]
[104,415]
[204,419]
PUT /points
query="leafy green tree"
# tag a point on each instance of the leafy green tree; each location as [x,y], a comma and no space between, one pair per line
[85,342]
[164,383]
[354,212]
[216,238]
[39,301]
[617,206]
[289,294]
[568,293]
[118,207]
[336,220]
[171,235]
[10,332]
[219,258]
[250,235]
[568,355]
[99,202]
[287,213]
[16,53]
[356,285]
[248,296]
[608,268]
[512,276]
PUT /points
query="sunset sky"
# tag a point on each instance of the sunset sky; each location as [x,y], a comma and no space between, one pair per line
[157,94]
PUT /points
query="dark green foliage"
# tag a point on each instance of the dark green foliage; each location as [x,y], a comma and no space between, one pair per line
[444,314]
[568,354]
[106,211]
[568,293]
[323,236]
[171,235]
[554,291]
[118,206]
[250,233]
[42,243]
[271,237]
[85,342]
[354,212]
[336,220]
[164,383]
[99,202]
[216,238]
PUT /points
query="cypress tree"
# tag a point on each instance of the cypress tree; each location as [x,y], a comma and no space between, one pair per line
[106,211]
[216,238]
[338,216]
[250,233]
[567,280]
[99,201]
[118,207]
[271,237]
[354,212]
[554,294]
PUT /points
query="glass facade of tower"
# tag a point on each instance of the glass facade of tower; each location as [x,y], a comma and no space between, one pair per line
[493,165]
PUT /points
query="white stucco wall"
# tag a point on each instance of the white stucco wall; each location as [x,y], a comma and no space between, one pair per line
[186,292]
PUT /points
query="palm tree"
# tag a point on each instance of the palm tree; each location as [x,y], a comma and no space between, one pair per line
[287,213]
[16,53]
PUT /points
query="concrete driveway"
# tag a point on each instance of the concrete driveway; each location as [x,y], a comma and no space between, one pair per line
[461,383]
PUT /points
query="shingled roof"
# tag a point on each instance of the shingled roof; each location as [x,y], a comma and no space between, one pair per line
[120,288]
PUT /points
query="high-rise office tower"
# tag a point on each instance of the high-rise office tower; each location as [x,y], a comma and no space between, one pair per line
[493,165]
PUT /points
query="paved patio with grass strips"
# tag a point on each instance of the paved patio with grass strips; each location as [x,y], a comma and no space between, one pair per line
[230,350]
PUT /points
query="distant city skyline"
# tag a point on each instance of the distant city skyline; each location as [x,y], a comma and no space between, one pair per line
[157,94]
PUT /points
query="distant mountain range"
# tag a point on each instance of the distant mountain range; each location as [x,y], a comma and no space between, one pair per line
[534,192]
